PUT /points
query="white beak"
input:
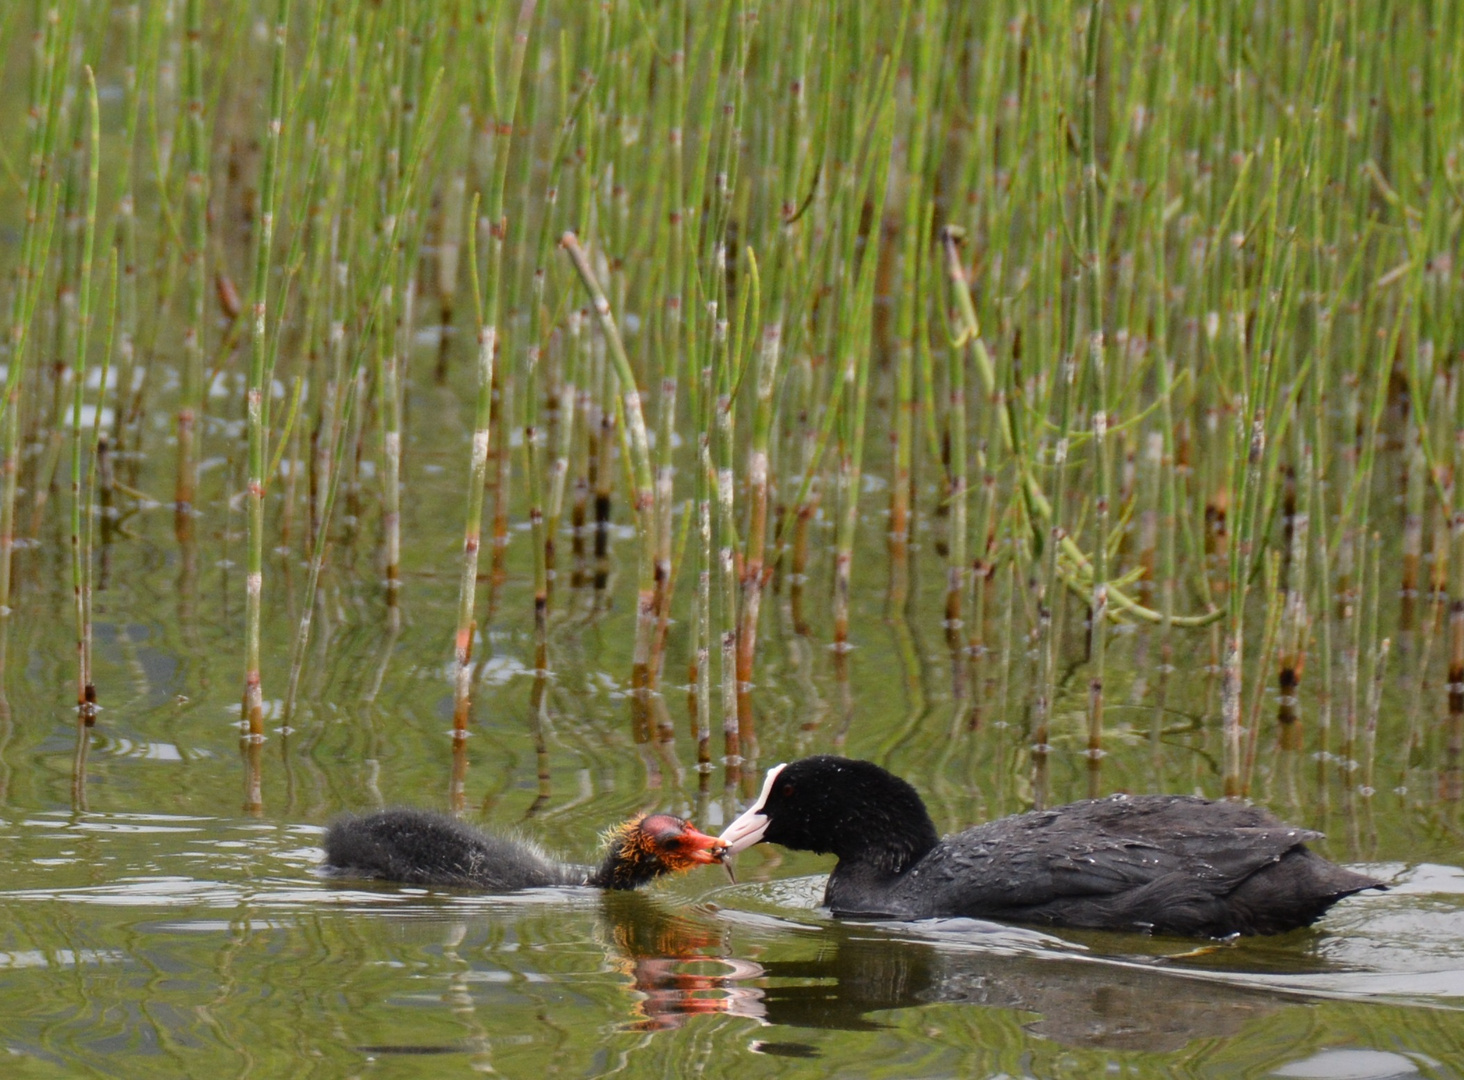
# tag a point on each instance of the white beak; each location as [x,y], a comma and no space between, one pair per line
[750,825]
[747,830]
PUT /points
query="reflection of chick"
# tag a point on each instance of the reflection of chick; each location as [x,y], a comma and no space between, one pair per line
[418,847]
[677,965]
[641,929]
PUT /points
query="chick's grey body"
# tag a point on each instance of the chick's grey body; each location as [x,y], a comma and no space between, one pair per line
[418,847]
[1158,863]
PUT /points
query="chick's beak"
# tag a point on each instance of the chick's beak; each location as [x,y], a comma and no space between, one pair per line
[701,848]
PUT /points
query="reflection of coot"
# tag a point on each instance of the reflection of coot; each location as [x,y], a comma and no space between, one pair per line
[1169,864]
[417,847]
[681,965]
[1079,1003]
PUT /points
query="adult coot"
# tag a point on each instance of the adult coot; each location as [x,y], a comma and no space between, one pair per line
[418,847]
[1166,864]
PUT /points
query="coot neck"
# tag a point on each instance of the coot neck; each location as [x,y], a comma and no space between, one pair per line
[884,840]
[865,875]
[859,888]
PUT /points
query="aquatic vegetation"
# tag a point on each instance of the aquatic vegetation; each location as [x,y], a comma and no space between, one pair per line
[1137,316]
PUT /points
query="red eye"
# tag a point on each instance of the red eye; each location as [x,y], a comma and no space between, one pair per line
[787,791]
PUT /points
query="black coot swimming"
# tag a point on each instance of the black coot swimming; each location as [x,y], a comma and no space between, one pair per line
[418,847]
[1164,864]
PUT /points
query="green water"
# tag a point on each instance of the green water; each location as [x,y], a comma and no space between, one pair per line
[153,927]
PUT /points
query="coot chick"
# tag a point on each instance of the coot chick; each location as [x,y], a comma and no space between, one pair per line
[418,847]
[1163,864]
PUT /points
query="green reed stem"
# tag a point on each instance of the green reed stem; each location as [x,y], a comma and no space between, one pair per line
[257,404]
[135,73]
[950,237]
[49,44]
[196,195]
[86,694]
[1092,228]
[644,501]
[909,320]
[487,303]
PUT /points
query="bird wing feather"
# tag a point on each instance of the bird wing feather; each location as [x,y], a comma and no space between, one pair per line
[1110,849]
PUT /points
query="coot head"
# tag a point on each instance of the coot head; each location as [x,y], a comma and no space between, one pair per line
[645,847]
[854,809]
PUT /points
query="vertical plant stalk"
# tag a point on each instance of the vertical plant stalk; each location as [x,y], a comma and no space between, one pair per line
[1258,378]
[126,222]
[601,466]
[487,349]
[726,418]
[1038,504]
[753,568]
[477,480]
[50,41]
[645,495]
[984,569]
[449,240]
[703,298]
[533,452]
[341,388]
[1233,649]
[1377,653]
[1294,622]
[1275,612]
[1049,596]
[909,319]
[724,410]
[766,373]
[389,414]
[546,492]
[950,238]
[583,444]
[1095,257]
[1169,507]
[546,488]
[196,193]
[95,512]
[706,480]
[1370,729]
[396,334]
[47,429]
[1452,779]
[257,401]
[564,432]
[672,338]
[853,342]
[86,691]
[1415,485]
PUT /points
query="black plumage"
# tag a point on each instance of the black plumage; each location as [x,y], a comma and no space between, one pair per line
[1166,864]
